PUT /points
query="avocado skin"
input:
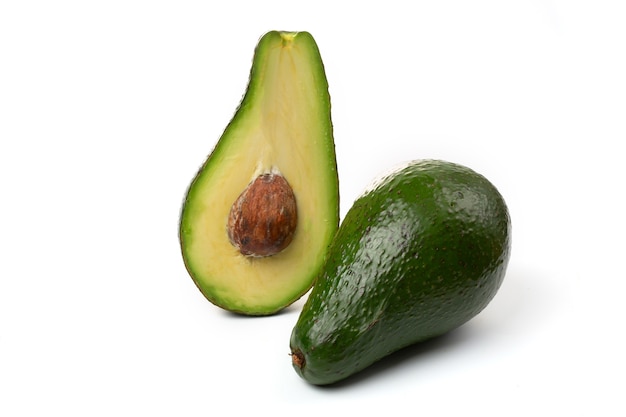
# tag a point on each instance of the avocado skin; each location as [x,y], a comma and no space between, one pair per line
[421,253]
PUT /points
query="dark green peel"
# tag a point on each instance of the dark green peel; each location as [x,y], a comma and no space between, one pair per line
[420,254]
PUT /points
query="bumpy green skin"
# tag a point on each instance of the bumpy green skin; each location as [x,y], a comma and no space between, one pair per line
[420,254]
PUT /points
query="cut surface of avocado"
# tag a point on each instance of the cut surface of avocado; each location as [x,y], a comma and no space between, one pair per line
[273,166]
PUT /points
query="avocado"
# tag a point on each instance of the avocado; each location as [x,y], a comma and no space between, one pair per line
[260,213]
[421,252]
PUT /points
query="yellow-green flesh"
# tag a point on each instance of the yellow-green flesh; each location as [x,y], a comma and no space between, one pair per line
[283,125]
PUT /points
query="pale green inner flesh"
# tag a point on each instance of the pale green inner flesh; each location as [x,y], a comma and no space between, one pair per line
[282,130]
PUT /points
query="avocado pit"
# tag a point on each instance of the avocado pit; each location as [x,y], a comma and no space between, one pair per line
[263,219]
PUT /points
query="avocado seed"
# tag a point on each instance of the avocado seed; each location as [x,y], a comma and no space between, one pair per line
[262,221]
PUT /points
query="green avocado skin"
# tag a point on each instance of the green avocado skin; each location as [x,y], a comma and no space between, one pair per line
[419,254]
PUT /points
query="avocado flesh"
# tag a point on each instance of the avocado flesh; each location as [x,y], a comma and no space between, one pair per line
[282,125]
[419,254]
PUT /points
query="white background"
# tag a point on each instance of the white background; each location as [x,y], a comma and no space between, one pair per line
[107,109]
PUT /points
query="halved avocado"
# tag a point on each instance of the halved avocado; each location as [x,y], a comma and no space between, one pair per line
[260,213]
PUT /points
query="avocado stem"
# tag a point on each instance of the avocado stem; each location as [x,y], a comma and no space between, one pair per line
[297,359]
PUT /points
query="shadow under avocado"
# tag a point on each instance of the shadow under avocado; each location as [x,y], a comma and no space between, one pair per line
[526,300]
[410,354]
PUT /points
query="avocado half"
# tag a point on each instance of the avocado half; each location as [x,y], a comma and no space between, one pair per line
[252,244]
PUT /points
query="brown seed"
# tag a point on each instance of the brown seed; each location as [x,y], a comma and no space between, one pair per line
[263,219]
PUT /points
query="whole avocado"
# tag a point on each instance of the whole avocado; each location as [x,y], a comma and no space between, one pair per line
[420,253]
